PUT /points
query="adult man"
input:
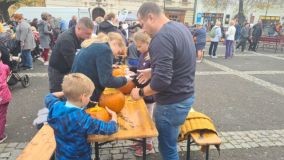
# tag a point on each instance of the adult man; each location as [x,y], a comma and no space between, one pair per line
[256,34]
[173,60]
[72,22]
[244,37]
[215,38]
[63,54]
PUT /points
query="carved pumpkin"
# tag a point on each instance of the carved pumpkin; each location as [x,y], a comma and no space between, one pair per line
[99,113]
[126,89]
[113,99]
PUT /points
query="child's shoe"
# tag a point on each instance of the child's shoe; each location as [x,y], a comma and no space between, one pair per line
[149,149]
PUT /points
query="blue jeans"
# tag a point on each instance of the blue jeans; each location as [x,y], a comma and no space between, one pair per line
[27,59]
[168,119]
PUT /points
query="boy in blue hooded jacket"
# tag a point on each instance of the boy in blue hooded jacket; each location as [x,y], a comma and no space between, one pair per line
[71,124]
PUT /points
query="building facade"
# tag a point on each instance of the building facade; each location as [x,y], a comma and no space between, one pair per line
[208,11]
[178,10]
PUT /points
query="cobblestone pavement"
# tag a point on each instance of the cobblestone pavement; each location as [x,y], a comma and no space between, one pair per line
[121,150]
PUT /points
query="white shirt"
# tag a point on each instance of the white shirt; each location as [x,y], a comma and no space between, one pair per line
[231,33]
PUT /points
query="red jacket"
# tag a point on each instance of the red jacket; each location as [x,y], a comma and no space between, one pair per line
[5,94]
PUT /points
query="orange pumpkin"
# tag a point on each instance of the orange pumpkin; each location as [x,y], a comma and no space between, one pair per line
[113,99]
[127,88]
[99,113]
[120,71]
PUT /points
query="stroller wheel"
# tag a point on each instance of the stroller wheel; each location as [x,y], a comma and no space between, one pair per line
[25,80]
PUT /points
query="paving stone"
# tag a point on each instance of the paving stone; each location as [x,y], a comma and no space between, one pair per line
[8,149]
[104,151]
[228,145]
[21,145]
[11,145]
[254,145]
[5,155]
[245,145]
[128,156]
[238,146]
[115,151]
[3,145]
[275,135]
[184,148]
[15,154]
[240,141]
[124,150]
[106,157]
[117,156]
[279,144]
[252,136]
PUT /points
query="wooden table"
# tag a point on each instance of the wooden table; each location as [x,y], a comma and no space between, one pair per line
[134,122]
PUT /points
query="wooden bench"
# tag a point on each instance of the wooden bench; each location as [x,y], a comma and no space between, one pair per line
[204,140]
[41,147]
[199,129]
[272,42]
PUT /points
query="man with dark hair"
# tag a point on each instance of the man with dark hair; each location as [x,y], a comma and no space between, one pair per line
[63,53]
[172,53]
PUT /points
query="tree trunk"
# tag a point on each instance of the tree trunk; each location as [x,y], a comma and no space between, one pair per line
[240,16]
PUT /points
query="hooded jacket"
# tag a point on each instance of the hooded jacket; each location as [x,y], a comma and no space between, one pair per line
[71,126]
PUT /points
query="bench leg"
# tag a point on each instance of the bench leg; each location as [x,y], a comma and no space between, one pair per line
[207,152]
[144,148]
[97,151]
[188,147]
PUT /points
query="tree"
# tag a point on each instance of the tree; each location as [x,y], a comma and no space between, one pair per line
[241,16]
[4,6]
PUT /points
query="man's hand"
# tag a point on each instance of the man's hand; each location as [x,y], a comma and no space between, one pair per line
[135,94]
[113,114]
[144,75]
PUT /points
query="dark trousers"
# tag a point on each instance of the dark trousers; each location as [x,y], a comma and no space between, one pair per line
[213,47]
[242,44]
[55,80]
[254,43]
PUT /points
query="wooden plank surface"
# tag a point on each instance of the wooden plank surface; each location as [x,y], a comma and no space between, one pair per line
[134,122]
[41,147]
[207,138]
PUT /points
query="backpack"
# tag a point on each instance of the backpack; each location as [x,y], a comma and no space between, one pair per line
[212,33]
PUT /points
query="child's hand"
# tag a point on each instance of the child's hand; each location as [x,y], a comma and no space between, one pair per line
[113,114]
[58,94]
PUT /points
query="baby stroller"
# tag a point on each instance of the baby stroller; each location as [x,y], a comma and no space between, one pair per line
[13,63]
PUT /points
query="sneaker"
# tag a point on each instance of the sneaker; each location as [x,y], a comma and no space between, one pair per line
[214,57]
[4,138]
[40,59]
[198,61]
[45,63]
[149,149]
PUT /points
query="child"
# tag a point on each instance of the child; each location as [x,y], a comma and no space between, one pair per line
[71,124]
[5,98]
[142,41]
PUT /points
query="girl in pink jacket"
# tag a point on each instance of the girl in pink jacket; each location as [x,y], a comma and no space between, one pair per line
[5,98]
